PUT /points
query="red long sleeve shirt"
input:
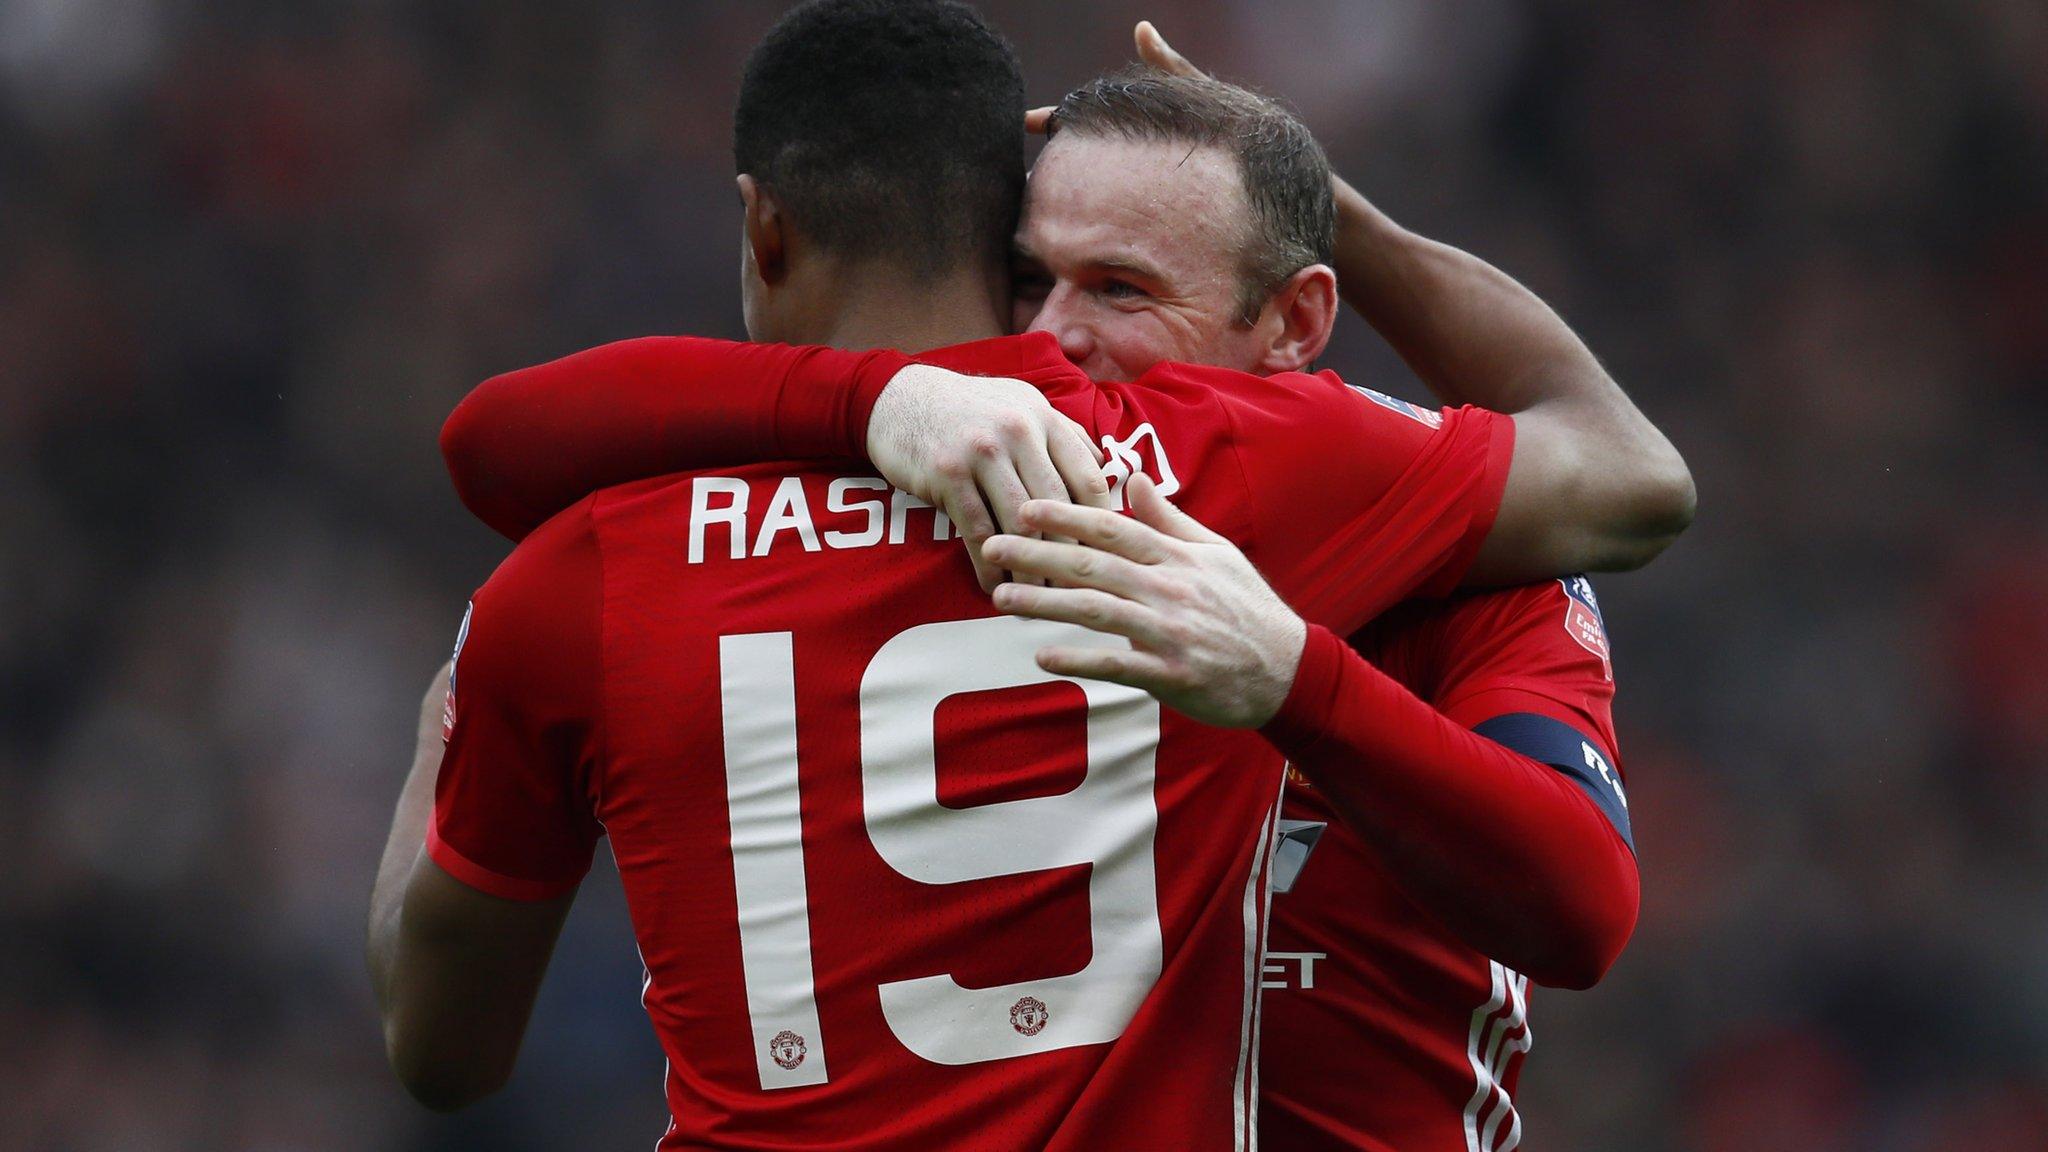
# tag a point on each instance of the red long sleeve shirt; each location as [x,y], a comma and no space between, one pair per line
[526,444]
[1454,868]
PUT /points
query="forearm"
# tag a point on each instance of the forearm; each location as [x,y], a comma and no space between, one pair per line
[1596,485]
[407,840]
[526,444]
[1508,853]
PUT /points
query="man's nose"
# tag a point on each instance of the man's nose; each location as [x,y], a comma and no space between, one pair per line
[1059,316]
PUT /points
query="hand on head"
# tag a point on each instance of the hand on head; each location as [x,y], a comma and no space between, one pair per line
[1153,50]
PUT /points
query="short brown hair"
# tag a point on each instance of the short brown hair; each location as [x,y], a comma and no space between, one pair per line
[1285,173]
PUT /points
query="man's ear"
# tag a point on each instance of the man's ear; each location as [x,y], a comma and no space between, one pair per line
[766,230]
[1301,316]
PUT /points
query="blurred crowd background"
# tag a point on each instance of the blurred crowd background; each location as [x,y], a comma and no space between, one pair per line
[252,253]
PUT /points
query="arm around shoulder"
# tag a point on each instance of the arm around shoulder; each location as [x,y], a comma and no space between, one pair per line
[1595,485]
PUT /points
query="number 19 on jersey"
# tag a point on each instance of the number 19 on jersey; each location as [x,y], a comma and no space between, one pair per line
[1108,821]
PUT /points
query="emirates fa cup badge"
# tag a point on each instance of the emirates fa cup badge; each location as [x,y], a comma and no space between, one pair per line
[1028,1016]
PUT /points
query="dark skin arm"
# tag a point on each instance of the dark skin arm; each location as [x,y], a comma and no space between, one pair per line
[1594,485]
[455,970]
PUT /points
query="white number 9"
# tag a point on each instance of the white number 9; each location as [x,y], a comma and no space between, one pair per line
[1107,821]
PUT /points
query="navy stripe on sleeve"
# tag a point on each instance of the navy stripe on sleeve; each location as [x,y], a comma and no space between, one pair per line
[1566,749]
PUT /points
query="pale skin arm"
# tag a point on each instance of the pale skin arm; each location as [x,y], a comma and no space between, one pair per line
[1594,485]
[455,970]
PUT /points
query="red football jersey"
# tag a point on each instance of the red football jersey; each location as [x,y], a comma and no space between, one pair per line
[1383,1031]
[895,886]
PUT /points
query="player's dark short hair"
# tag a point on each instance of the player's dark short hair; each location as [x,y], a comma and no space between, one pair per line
[1286,175]
[889,129]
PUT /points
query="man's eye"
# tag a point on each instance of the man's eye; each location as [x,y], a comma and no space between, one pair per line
[1122,290]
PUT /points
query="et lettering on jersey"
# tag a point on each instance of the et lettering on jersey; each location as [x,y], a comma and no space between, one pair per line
[1444,1052]
[874,854]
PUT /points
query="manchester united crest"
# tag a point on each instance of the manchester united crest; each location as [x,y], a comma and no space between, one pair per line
[787,1048]
[1029,1015]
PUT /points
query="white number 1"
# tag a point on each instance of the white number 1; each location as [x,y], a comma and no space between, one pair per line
[1107,821]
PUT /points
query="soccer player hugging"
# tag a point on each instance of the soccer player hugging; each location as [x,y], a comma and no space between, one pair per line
[916,866]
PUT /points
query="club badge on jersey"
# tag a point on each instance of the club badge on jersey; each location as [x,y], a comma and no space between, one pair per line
[1583,621]
[448,701]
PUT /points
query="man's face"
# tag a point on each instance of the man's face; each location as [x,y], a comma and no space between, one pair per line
[1129,253]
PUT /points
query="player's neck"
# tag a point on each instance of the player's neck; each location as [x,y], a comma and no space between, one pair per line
[887,308]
